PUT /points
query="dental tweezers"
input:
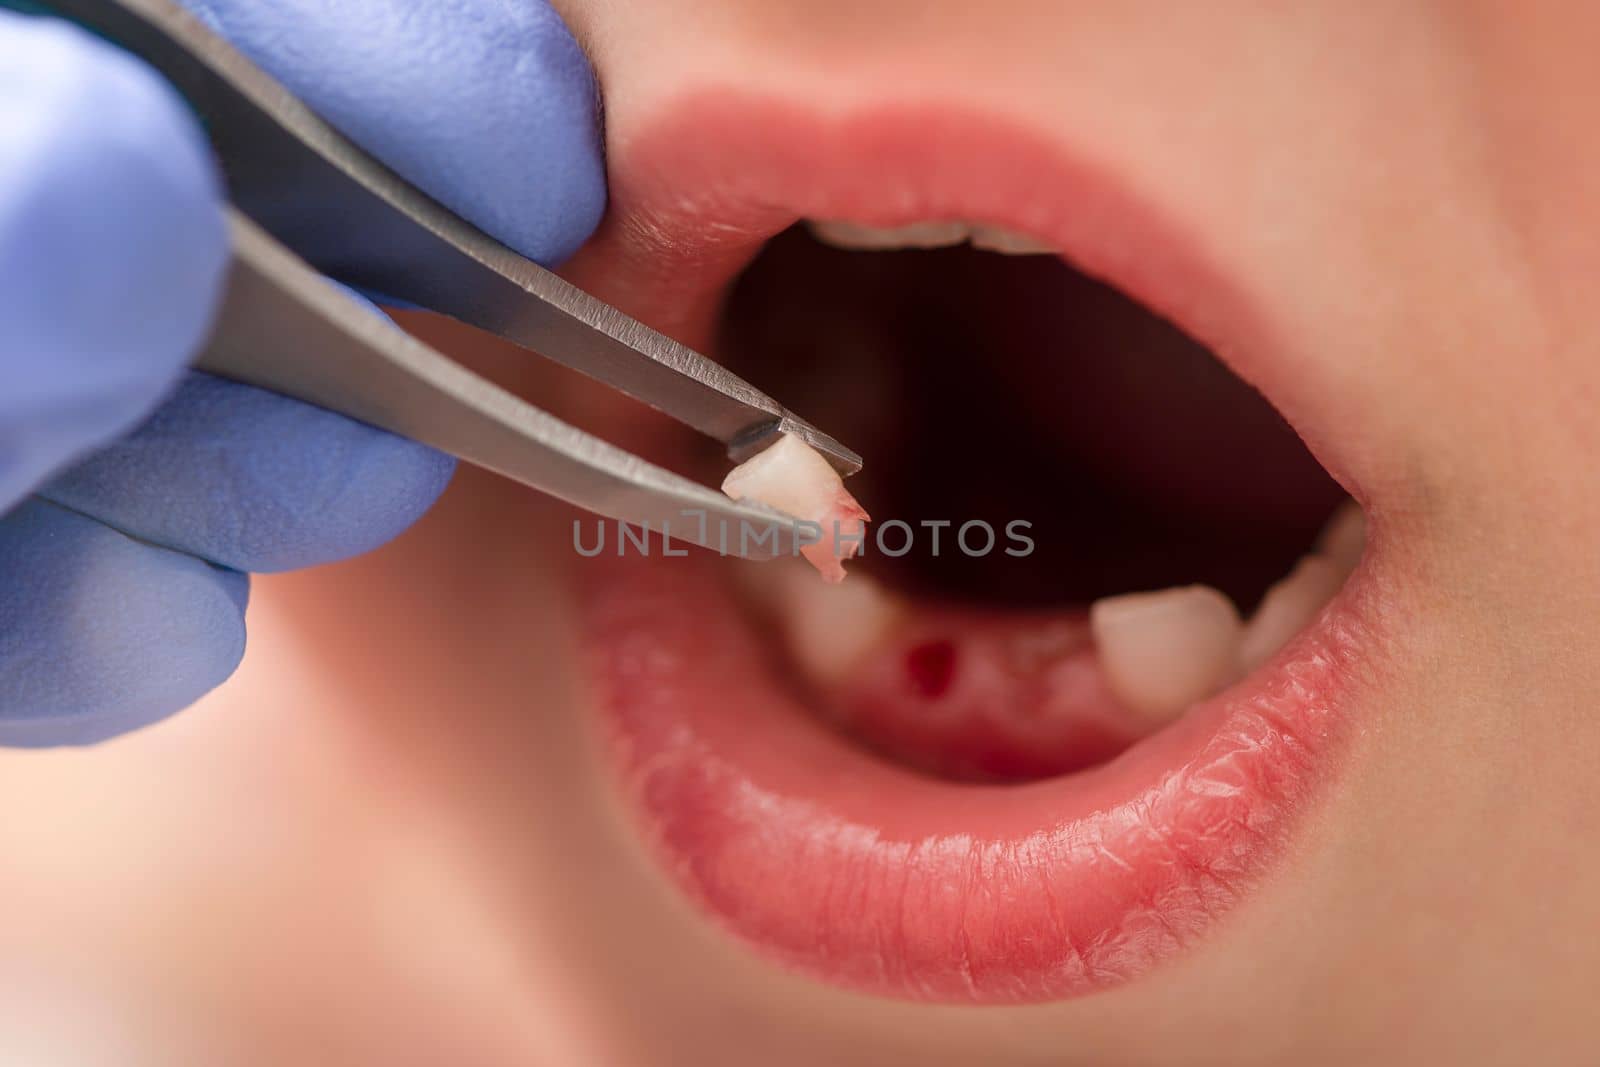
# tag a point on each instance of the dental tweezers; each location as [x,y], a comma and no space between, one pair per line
[283,327]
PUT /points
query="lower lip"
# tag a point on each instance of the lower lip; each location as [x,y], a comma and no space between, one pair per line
[868,875]
[818,854]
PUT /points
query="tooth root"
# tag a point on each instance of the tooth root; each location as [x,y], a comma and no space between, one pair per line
[1163,651]
[875,238]
[1344,535]
[1287,607]
[1008,242]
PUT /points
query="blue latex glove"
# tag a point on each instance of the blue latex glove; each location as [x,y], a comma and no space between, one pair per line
[123,571]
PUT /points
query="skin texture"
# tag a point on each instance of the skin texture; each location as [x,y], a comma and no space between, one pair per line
[396,807]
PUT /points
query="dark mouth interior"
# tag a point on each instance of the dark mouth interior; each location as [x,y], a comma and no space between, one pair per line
[981,386]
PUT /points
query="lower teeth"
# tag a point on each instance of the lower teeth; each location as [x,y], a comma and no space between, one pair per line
[1159,652]
[1287,607]
[827,629]
[1165,651]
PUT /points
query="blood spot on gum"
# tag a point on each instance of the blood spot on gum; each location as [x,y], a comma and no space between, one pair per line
[931,666]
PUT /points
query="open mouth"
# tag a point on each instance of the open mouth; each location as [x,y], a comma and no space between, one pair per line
[1071,724]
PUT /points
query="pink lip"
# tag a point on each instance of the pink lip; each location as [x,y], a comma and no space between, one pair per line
[819,854]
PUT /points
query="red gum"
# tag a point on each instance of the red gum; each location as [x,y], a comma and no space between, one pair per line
[931,667]
[985,697]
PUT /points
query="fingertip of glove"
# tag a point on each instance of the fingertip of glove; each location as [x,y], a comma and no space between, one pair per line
[101,634]
[490,107]
[256,481]
[566,170]
[364,488]
[112,244]
[386,484]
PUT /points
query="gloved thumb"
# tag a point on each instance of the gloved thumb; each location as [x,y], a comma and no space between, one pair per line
[112,245]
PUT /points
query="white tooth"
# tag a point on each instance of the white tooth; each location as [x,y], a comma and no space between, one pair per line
[788,475]
[1008,242]
[1287,607]
[829,628]
[1163,651]
[1344,536]
[792,476]
[871,238]
[826,628]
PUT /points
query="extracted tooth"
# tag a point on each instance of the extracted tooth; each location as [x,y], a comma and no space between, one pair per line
[1288,606]
[1008,242]
[1165,650]
[1344,535]
[872,238]
[793,477]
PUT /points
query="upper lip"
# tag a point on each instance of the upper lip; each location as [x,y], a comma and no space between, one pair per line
[719,172]
[837,863]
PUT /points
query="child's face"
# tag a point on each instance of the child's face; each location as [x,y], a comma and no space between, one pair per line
[1387,217]
[1376,848]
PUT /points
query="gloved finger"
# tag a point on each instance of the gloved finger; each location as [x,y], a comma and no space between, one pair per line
[101,634]
[489,106]
[112,245]
[255,481]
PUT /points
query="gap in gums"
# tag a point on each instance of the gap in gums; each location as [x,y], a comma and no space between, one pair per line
[980,386]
